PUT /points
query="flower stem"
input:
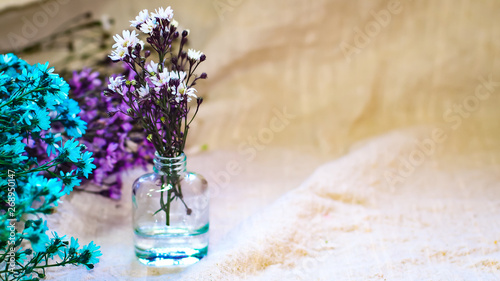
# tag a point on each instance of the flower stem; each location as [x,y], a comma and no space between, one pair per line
[167,211]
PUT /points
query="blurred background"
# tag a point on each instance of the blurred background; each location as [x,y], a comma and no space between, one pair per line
[293,84]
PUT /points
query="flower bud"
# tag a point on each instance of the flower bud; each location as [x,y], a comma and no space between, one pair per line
[185,33]
[147,53]
[150,138]
[203,75]
[203,57]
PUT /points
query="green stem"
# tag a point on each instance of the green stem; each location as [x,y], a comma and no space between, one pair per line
[164,207]
[22,96]
[72,261]
[167,211]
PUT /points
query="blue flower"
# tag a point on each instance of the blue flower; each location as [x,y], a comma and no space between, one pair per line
[89,254]
[69,107]
[71,150]
[73,245]
[44,68]
[36,115]
[52,141]
[36,184]
[42,120]
[8,59]
[30,78]
[69,180]
[13,148]
[28,114]
[55,190]
[51,101]
[61,88]
[57,246]
[20,256]
[35,233]
[75,126]
[5,80]
[86,164]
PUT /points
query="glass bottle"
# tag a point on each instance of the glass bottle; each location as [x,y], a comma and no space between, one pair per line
[170,232]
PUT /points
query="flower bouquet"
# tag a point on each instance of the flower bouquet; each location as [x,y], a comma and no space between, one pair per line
[170,205]
[41,161]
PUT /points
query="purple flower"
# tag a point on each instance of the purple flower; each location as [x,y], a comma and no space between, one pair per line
[106,136]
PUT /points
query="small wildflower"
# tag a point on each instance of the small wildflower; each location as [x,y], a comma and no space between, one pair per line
[143,91]
[148,26]
[140,19]
[129,39]
[71,151]
[118,54]
[194,55]
[86,163]
[70,181]
[161,79]
[116,84]
[152,68]
[162,13]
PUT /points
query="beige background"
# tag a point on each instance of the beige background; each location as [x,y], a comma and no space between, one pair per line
[370,109]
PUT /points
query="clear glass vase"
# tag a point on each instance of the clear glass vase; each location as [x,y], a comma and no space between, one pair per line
[170,214]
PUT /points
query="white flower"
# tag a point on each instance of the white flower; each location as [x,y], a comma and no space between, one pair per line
[178,97]
[194,55]
[179,75]
[182,93]
[161,13]
[143,91]
[174,23]
[140,19]
[118,54]
[129,40]
[152,67]
[148,26]
[116,84]
[182,90]
[190,93]
[161,79]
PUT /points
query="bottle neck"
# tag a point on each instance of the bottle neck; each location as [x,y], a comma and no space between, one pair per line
[168,165]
